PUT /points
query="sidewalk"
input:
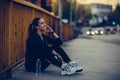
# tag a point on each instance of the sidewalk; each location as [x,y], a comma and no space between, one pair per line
[51,73]
[97,64]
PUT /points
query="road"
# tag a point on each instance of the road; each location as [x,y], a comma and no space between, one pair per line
[112,38]
[99,57]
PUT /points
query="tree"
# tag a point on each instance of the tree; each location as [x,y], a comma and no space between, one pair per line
[55,6]
[84,13]
[114,17]
[81,11]
[65,8]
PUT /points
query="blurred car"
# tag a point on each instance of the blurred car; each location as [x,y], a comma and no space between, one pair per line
[111,30]
[90,32]
[99,31]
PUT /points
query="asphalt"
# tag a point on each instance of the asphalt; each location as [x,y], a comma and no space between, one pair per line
[100,61]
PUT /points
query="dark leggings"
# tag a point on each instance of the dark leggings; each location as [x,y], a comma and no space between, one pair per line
[62,53]
[45,58]
[48,58]
[53,60]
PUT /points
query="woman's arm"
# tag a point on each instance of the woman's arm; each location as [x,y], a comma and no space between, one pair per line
[56,39]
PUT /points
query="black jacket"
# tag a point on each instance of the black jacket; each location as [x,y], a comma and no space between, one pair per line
[36,48]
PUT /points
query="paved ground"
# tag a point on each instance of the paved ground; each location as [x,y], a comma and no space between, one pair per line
[113,38]
[99,59]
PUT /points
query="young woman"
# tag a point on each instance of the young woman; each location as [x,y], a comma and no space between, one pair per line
[44,44]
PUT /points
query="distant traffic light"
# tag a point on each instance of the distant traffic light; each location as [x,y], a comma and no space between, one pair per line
[113,23]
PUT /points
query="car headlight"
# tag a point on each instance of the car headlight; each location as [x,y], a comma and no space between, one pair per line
[101,32]
[88,32]
[96,31]
[92,32]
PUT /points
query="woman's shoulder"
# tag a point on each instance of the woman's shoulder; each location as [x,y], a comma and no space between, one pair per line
[33,36]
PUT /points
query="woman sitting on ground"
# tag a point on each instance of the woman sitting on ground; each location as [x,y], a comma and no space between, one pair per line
[44,44]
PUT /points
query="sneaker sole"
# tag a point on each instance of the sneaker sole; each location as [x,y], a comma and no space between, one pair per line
[79,70]
[64,73]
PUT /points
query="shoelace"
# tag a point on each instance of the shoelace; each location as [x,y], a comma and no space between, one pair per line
[67,68]
[74,65]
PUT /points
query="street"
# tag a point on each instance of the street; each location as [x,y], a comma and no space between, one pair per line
[99,57]
[90,30]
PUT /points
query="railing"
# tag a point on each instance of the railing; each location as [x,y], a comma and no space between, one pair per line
[15,16]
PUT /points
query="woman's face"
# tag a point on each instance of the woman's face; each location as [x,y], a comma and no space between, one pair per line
[42,25]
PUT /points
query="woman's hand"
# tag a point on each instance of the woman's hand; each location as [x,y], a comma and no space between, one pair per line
[48,28]
[57,55]
[59,58]
[50,45]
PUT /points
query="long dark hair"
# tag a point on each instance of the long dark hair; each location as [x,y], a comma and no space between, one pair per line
[33,25]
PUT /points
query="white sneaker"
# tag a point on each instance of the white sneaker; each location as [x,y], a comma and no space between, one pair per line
[76,66]
[67,69]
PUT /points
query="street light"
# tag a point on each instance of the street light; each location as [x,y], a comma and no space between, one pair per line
[60,17]
[71,26]
[71,13]
[75,13]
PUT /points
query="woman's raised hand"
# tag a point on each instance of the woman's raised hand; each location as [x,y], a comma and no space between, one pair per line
[49,29]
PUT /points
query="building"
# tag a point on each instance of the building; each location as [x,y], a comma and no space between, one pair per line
[100,10]
[99,13]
